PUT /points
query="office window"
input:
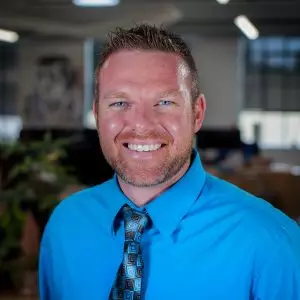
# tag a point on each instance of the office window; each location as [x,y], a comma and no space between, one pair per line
[271,110]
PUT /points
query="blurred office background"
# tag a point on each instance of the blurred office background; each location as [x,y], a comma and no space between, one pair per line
[248,56]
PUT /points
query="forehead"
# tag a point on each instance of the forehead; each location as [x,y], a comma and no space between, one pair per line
[140,66]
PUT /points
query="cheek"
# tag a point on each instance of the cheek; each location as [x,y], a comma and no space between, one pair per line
[178,126]
[109,126]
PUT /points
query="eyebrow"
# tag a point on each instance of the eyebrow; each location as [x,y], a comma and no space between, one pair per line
[173,92]
[116,95]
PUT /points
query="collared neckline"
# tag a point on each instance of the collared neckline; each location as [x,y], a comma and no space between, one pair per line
[169,208]
[166,210]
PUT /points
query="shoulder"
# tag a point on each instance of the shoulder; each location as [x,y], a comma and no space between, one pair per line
[83,199]
[78,208]
[255,215]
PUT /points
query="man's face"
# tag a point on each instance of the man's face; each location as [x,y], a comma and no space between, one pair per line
[144,116]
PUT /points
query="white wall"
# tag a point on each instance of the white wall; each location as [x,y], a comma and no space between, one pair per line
[217,63]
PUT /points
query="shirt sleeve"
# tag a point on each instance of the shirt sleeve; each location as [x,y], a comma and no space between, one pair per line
[279,277]
[44,273]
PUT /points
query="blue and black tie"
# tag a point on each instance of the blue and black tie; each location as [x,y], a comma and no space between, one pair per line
[128,284]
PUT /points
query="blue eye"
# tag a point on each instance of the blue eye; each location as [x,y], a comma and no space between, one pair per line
[120,104]
[165,102]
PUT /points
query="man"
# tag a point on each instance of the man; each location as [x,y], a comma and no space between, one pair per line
[162,228]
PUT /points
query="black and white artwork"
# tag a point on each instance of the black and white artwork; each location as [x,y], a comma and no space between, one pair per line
[56,100]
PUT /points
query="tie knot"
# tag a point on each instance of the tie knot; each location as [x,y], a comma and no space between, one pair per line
[135,222]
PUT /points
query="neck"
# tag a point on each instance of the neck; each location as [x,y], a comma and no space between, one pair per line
[140,196]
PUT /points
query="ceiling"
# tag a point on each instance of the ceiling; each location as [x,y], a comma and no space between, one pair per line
[60,18]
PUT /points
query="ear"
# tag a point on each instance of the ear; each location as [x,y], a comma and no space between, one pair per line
[199,112]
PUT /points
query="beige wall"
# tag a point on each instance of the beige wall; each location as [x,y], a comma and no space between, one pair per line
[217,63]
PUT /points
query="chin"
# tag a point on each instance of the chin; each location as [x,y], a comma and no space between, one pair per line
[146,176]
[142,181]
[140,175]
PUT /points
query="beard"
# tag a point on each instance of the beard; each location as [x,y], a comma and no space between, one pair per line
[151,173]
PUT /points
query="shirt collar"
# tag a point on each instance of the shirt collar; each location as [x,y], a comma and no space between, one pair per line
[168,209]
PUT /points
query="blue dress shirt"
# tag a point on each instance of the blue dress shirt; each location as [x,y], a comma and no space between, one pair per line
[209,240]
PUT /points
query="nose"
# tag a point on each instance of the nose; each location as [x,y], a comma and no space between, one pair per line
[142,119]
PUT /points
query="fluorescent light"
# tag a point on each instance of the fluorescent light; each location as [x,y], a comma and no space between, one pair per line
[96,2]
[223,1]
[8,36]
[244,24]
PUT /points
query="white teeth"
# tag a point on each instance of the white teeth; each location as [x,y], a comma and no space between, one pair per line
[145,148]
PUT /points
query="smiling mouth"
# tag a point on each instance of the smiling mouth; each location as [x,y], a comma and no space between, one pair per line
[143,147]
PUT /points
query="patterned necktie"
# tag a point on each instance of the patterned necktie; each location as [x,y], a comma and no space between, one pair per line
[128,284]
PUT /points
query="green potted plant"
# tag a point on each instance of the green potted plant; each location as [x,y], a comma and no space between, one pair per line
[35,178]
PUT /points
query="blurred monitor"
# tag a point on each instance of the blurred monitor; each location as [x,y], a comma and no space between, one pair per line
[218,138]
